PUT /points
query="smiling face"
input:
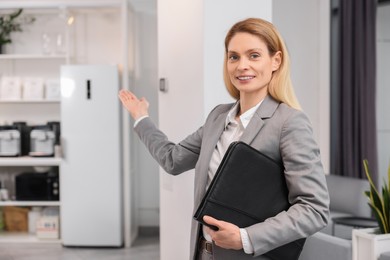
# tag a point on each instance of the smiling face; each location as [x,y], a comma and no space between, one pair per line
[249,65]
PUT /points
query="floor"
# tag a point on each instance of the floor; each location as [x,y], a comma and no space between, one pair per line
[144,248]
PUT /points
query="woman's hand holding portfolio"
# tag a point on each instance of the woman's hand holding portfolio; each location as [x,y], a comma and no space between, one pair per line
[227,236]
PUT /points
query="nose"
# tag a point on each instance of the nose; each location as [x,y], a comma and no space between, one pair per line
[243,64]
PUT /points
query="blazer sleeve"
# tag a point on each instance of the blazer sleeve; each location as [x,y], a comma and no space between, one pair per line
[173,158]
[306,183]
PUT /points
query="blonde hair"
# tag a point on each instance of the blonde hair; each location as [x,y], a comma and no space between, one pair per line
[280,87]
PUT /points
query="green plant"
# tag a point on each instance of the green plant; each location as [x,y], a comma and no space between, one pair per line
[380,205]
[12,23]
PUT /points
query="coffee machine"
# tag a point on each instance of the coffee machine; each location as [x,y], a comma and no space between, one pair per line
[43,138]
[10,140]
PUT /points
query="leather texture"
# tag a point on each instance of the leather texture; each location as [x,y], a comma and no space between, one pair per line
[244,174]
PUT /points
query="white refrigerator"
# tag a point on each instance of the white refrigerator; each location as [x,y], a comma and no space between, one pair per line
[91,193]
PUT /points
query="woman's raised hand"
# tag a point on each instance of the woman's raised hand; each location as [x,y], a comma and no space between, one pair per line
[136,107]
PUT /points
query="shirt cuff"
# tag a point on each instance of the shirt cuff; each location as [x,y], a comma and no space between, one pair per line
[139,120]
[246,243]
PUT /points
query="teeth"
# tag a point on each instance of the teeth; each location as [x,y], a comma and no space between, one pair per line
[245,77]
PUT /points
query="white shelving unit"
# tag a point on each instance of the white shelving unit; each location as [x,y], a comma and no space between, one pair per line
[26,59]
[23,237]
[29,203]
[30,161]
[30,56]
[24,101]
[15,237]
[80,49]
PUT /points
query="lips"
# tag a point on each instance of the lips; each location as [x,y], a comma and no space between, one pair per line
[245,77]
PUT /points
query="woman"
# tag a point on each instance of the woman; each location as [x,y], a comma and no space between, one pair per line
[266,116]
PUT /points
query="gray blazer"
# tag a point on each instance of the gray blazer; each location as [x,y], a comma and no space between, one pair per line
[284,134]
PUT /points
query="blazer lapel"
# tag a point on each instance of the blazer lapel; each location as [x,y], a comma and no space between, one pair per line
[211,141]
[265,111]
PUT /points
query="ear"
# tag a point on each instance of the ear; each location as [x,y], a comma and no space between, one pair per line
[276,61]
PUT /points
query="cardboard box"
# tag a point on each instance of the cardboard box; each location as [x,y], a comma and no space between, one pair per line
[16,219]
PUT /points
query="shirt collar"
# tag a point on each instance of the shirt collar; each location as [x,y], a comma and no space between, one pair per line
[244,118]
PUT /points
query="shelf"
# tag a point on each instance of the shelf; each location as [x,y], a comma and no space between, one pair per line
[30,161]
[30,56]
[21,237]
[29,101]
[60,4]
[29,203]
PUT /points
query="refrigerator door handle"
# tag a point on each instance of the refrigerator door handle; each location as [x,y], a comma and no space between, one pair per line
[88,89]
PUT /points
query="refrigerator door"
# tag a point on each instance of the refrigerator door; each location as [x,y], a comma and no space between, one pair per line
[91,204]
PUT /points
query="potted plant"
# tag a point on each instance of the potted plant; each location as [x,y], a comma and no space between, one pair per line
[11,23]
[368,244]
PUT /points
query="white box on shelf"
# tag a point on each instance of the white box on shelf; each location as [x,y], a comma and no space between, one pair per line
[53,89]
[10,88]
[33,89]
[48,227]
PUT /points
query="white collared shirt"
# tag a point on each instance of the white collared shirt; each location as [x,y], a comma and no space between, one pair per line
[233,132]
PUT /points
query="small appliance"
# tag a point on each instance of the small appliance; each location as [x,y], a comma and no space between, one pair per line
[10,141]
[42,140]
[37,186]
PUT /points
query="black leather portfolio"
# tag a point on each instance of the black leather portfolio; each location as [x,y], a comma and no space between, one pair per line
[248,188]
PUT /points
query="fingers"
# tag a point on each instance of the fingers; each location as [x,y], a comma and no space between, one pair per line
[123,95]
[136,107]
[212,221]
[126,95]
[228,235]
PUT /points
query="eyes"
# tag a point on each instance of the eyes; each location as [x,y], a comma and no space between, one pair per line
[235,57]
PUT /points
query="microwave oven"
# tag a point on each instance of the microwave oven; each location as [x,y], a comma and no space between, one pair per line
[37,186]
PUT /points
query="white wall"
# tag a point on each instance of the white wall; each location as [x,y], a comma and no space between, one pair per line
[145,168]
[383,89]
[180,113]
[215,26]
[304,24]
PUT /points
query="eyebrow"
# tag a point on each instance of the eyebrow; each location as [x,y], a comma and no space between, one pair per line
[248,51]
